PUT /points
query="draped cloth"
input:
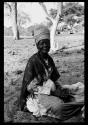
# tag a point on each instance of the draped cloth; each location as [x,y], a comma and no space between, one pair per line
[35,68]
[46,103]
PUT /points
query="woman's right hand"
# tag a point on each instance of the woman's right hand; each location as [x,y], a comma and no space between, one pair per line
[31,86]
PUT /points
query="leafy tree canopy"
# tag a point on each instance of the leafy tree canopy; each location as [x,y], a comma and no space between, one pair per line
[70,8]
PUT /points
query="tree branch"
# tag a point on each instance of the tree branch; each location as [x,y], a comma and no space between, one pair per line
[59,9]
[44,8]
[67,8]
[6,3]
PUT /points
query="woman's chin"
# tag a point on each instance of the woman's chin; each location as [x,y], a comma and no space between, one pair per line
[45,52]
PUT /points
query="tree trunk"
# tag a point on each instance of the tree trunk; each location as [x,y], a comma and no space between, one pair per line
[14,21]
[54,45]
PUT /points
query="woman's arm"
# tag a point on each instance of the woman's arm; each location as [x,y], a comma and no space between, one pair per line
[63,93]
[60,91]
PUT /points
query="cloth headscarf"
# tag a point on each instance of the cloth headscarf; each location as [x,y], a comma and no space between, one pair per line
[41,32]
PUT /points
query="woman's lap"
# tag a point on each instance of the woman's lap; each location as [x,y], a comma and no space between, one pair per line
[59,108]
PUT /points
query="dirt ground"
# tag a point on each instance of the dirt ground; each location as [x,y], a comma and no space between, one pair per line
[70,65]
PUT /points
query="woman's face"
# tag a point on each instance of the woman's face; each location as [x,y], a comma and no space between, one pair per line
[44,45]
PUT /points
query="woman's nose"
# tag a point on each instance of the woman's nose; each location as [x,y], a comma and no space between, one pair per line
[45,44]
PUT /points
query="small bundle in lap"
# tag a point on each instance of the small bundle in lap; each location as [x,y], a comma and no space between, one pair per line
[33,104]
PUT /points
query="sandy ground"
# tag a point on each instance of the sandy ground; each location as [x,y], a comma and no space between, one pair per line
[70,64]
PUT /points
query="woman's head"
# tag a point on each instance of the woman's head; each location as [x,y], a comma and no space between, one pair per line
[42,39]
[44,45]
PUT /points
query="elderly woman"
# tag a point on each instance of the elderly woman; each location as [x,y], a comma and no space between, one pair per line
[58,103]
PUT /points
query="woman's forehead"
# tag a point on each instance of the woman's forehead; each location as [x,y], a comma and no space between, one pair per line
[44,41]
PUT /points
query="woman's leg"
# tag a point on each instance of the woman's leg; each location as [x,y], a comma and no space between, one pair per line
[61,110]
[68,110]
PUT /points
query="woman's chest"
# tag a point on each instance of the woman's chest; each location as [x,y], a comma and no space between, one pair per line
[43,71]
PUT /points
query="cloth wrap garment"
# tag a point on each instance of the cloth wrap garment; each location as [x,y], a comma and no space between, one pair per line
[54,105]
